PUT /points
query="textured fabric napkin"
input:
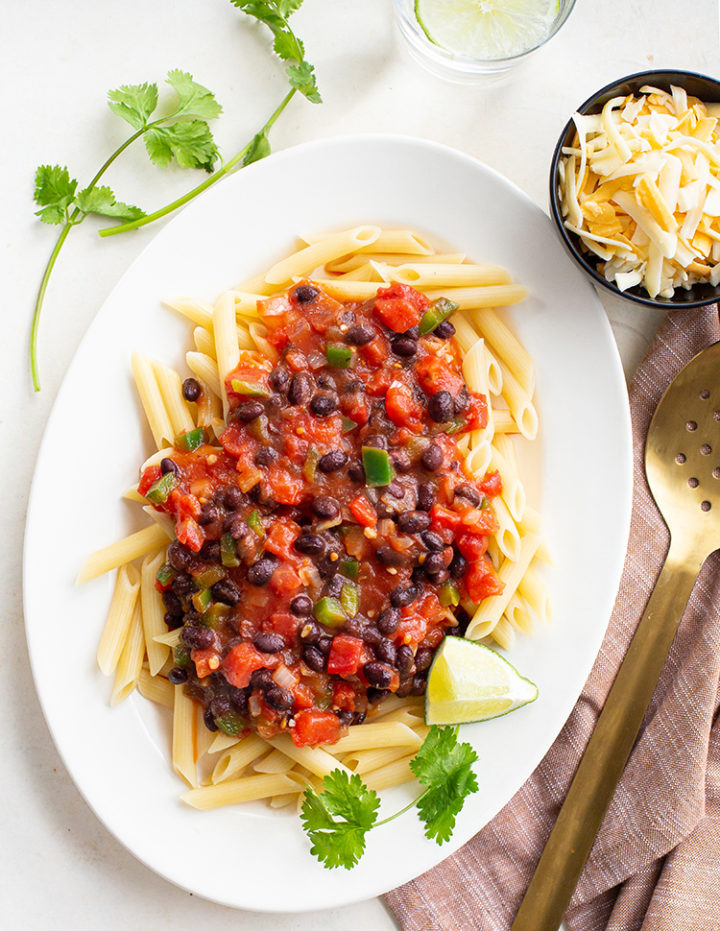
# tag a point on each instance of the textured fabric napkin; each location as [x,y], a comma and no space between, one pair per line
[655,864]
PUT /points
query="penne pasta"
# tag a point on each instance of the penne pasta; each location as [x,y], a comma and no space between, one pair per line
[155,688]
[519,404]
[130,661]
[444,275]
[153,613]
[184,736]
[205,367]
[493,607]
[501,295]
[302,263]
[181,420]
[120,614]
[506,347]
[151,400]
[393,241]
[123,551]
[245,789]
[200,312]
[227,351]
[350,263]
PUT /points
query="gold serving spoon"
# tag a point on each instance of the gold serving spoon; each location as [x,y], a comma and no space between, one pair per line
[682,464]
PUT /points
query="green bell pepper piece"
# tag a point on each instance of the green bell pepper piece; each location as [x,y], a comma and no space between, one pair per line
[159,491]
[349,567]
[438,311]
[230,723]
[190,440]
[378,468]
[340,357]
[310,465]
[350,599]
[329,611]
[215,615]
[449,594]
[165,575]
[202,600]
[255,524]
[228,551]
[348,425]
[208,577]
[181,656]
[251,388]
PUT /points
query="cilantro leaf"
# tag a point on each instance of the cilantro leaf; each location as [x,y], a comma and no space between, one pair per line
[288,47]
[102,200]
[191,144]
[134,102]
[302,78]
[193,99]
[54,192]
[288,7]
[259,148]
[445,767]
[338,819]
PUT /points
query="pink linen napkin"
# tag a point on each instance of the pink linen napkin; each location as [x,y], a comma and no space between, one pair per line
[655,865]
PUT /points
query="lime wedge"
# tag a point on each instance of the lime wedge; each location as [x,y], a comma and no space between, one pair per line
[486,29]
[470,682]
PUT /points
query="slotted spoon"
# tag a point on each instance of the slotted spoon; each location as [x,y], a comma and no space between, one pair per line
[682,464]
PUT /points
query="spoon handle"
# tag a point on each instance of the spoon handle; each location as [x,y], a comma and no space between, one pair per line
[607,752]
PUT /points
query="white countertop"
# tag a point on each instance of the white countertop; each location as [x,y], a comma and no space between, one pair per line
[57,862]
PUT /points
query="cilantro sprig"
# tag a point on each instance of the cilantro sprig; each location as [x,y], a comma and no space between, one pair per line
[337,819]
[181,136]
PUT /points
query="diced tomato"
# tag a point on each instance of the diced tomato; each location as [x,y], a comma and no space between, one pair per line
[282,486]
[241,662]
[285,580]
[304,697]
[189,532]
[234,438]
[491,485]
[411,629]
[471,545]
[363,511]
[296,448]
[315,727]
[376,351]
[444,518]
[481,580]
[148,478]
[401,406]
[344,696]
[345,655]
[206,661]
[476,415]
[275,311]
[434,375]
[281,536]
[480,520]
[400,306]
[355,407]
[281,622]
[296,360]
[250,369]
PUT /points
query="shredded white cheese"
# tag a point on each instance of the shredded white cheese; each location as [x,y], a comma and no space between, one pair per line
[640,185]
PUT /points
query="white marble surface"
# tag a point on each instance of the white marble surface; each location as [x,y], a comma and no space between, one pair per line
[57,862]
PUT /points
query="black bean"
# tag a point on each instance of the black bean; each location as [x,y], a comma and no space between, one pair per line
[376,440]
[269,643]
[444,330]
[314,658]
[333,587]
[333,461]
[324,381]
[354,626]
[191,389]
[323,404]
[414,521]
[377,674]
[371,635]
[325,507]
[173,621]
[386,651]
[358,717]
[233,498]
[208,513]
[167,465]
[347,317]
[324,644]
[239,699]
[261,571]
[441,407]
[311,544]
[395,489]
[458,566]
[327,567]
[401,460]
[423,658]
[435,562]
[172,603]
[357,472]
[405,659]
[236,527]
[183,584]
[374,695]
[280,699]
[432,458]
[387,556]
[389,621]
[209,720]
[265,456]
[177,676]
[404,346]
[433,541]
[439,577]
[469,493]
[305,293]
[248,410]
[197,638]
[403,690]
[419,684]
[226,591]
[425,496]
[344,717]
[360,334]
[404,594]
[179,556]
[279,379]
[354,385]
[462,400]
[413,332]
[262,679]
[301,605]
[219,706]
[300,390]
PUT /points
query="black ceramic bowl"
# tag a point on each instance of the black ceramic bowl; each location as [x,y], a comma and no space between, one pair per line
[697,85]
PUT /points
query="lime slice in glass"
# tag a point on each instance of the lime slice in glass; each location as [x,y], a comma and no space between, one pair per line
[486,29]
[470,682]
